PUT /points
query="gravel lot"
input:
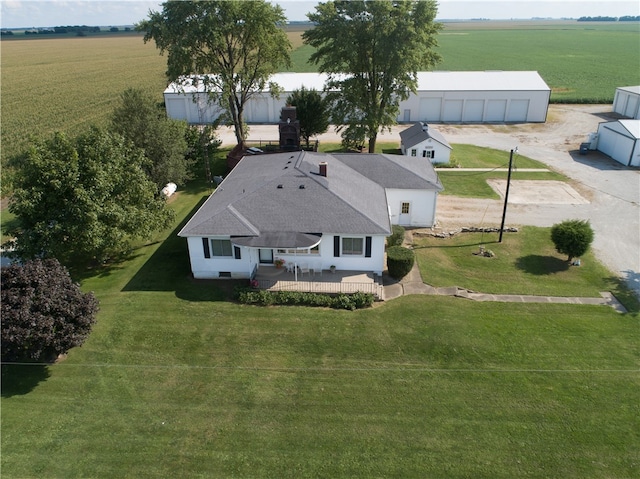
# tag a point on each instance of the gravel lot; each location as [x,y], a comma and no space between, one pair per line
[603,191]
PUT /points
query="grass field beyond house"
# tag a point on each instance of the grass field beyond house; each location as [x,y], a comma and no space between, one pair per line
[178,381]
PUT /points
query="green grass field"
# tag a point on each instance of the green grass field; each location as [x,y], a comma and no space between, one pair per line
[176,381]
[68,83]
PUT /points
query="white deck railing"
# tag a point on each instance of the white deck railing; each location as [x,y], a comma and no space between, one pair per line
[327,287]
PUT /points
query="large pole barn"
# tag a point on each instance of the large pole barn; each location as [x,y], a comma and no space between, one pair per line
[442,97]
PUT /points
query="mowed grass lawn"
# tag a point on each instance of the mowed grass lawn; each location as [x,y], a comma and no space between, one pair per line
[178,381]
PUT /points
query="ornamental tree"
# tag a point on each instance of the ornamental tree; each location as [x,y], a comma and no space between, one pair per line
[44,313]
[372,51]
[83,200]
[572,237]
[229,48]
[311,110]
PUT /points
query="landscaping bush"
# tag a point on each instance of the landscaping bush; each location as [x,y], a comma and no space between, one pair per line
[572,237]
[397,236]
[399,261]
[358,300]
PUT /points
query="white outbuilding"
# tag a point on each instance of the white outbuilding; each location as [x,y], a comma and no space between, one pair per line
[441,97]
[424,141]
[626,102]
[620,140]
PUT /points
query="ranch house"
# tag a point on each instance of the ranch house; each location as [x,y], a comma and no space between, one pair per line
[309,212]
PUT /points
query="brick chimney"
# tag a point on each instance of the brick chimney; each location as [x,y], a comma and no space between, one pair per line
[323,168]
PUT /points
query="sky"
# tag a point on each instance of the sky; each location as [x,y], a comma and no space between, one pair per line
[49,13]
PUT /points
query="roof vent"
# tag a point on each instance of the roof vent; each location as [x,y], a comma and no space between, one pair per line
[279,187]
[301,187]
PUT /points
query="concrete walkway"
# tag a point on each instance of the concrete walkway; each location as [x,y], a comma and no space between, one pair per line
[412,284]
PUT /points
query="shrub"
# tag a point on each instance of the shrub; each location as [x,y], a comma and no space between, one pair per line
[399,261]
[397,236]
[354,301]
[572,237]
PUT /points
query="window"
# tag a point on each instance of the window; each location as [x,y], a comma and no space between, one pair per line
[405,208]
[221,247]
[352,246]
[314,250]
[428,154]
[413,152]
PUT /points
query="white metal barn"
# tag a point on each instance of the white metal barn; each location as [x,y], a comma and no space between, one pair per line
[442,97]
[627,101]
[621,141]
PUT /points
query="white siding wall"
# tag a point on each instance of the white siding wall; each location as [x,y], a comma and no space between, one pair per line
[430,106]
[442,153]
[422,207]
[614,141]
[210,268]
[627,104]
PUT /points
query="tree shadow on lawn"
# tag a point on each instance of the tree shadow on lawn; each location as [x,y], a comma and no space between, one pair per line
[168,270]
[541,265]
[20,379]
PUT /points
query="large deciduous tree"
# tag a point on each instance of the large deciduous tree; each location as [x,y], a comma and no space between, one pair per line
[83,200]
[311,110]
[44,313]
[372,51]
[230,48]
[139,119]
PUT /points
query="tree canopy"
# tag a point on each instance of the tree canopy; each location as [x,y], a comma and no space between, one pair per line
[311,110]
[572,237]
[139,119]
[372,51]
[230,48]
[82,200]
[44,313]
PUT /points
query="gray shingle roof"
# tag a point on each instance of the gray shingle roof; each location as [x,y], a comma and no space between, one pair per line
[284,192]
[420,132]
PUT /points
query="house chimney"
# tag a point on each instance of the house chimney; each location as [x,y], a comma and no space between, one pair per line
[323,168]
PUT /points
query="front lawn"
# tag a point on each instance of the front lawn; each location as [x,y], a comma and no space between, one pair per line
[525,263]
[178,381]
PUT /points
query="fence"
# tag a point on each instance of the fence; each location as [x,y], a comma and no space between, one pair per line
[321,287]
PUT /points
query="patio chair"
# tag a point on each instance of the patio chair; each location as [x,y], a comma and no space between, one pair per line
[291,267]
[304,268]
[317,268]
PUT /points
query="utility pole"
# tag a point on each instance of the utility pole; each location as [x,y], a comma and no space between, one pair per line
[506,194]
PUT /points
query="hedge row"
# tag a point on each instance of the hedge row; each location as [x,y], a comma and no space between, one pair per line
[351,302]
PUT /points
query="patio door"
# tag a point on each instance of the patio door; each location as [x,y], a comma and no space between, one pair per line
[266,256]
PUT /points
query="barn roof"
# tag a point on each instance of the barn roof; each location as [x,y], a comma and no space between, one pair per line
[427,81]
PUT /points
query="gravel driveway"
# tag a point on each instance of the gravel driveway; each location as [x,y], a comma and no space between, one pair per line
[611,191]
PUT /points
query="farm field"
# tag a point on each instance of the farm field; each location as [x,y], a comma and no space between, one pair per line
[68,83]
[421,386]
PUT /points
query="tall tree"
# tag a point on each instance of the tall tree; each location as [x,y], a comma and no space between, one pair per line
[230,48]
[139,119]
[44,313]
[372,51]
[83,200]
[311,110]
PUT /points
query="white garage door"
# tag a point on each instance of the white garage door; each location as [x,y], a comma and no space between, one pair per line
[632,106]
[518,110]
[452,110]
[496,110]
[617,146]
[176,108]
[430,109]
[259,110]
[473,110]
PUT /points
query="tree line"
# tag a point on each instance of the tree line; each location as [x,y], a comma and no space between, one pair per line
[626,18]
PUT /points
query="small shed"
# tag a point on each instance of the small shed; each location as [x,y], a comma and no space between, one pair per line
[627,102]
[424,141]
[621,141]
